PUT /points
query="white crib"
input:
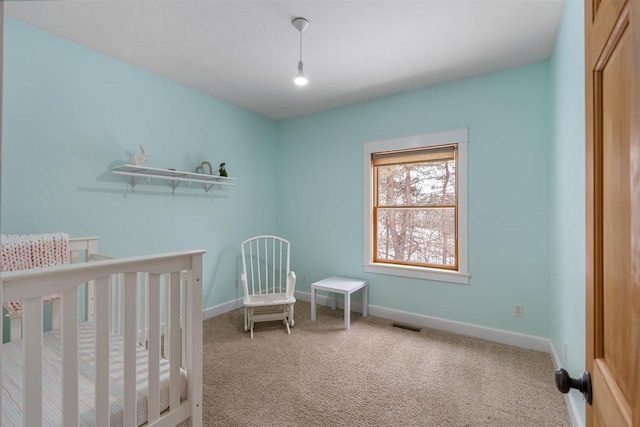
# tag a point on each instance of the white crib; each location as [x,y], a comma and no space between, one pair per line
[104,366]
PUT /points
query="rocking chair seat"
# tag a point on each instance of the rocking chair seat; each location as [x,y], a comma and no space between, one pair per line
[268,300]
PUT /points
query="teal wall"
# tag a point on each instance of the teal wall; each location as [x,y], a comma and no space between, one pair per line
[70,113]
[320,195]
[567,219]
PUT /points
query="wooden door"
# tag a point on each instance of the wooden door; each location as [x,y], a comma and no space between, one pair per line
[612,38]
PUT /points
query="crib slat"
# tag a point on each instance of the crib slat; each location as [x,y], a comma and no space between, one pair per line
[115,296]
[90,305]
[116,315]
[166,337]
[102,351]
[183,311]
[142,311]
[154,347]
[112,298]
[117,311]
[193,357]
[92,248]
[174,340]
[121,305]
[32,324]
[142,316]
[145,293]
[130,347]
[69,314]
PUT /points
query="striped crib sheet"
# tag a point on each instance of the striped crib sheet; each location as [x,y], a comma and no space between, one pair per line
[52,385]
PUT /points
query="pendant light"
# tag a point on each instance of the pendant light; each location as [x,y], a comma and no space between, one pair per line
[300,24]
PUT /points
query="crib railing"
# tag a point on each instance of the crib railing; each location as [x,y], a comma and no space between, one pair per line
[137,298]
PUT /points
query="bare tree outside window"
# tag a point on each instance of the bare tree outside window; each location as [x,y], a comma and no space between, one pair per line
[415,207]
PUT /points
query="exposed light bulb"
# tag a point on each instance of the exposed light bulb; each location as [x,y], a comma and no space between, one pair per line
[301,79]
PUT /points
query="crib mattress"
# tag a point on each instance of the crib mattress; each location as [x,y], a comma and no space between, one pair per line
[52,385]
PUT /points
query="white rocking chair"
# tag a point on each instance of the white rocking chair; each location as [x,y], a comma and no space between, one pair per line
[267,282]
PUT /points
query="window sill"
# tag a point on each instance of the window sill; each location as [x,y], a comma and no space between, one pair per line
[418,273]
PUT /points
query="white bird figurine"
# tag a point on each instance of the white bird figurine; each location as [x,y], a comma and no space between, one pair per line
[139,159]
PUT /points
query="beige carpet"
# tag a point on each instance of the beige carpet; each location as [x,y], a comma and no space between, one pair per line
[371,375]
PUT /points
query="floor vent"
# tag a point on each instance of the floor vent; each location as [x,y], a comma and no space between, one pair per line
[406,327]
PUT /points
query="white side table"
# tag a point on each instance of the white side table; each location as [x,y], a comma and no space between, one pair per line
[344,286]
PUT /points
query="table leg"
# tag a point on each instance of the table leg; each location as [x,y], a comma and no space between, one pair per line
[313,304]
[365,302]
[347,311]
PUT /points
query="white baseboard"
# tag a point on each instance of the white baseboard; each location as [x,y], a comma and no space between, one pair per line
[219,309]
[530,342]
[569,398]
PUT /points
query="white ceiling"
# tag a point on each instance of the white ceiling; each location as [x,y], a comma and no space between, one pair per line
[246,52]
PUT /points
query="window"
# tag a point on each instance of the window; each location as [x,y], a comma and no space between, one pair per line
[416,206]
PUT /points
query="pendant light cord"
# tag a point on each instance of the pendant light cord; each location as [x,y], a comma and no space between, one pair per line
[300,45]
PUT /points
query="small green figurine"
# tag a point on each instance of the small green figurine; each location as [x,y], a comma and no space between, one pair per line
[222,170]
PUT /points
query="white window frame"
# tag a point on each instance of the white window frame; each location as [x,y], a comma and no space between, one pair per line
[459,136]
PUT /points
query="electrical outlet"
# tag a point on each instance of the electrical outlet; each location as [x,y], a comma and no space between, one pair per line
[236,283]
[565,350]
[518,310]
[304,278]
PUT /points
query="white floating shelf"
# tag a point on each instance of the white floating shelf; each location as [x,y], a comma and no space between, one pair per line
[175,177]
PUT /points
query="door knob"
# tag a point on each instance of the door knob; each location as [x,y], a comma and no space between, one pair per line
[565,383]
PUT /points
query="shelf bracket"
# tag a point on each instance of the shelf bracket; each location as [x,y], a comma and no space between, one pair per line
[207,187]
[134,181]
[174,185]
